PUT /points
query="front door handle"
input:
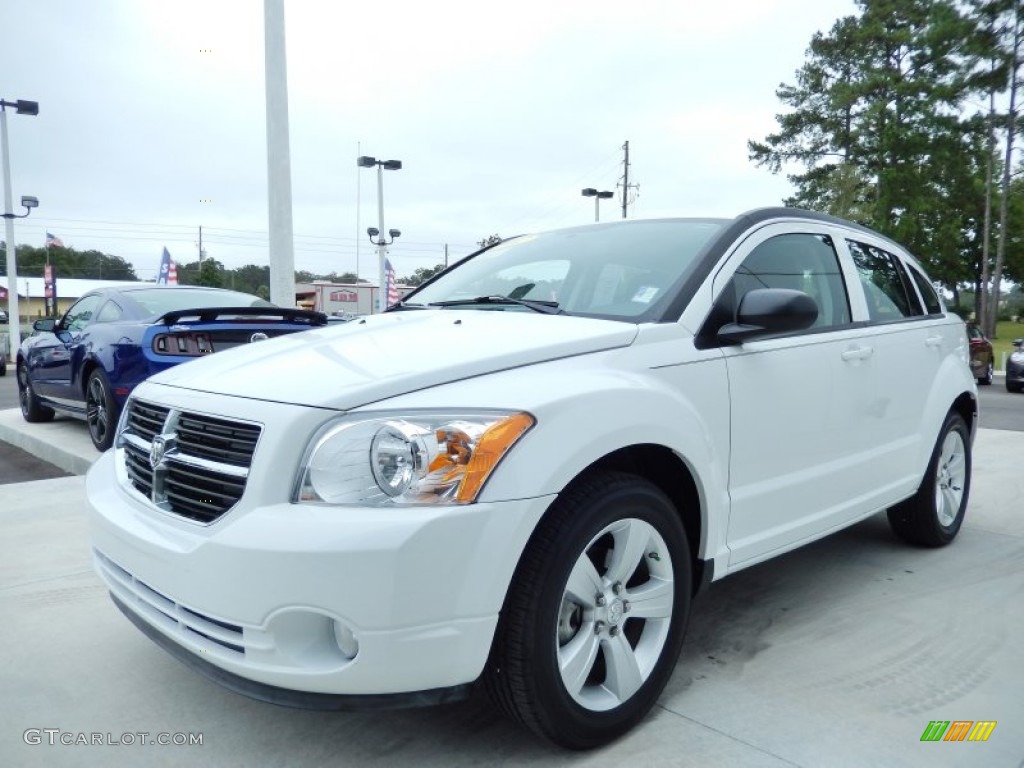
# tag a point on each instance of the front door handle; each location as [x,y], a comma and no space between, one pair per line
[858,353]
[933,341]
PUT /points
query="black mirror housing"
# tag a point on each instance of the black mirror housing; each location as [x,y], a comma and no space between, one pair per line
[768,311]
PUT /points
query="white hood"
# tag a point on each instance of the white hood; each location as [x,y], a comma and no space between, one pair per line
[363,361]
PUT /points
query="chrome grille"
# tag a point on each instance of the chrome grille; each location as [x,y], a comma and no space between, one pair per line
[186,463]
[217,439]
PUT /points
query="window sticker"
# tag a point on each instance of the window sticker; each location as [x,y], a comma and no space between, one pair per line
[645,294]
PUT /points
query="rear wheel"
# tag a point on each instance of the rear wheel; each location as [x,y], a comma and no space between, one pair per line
[932,517]
[33,411]
[595,615]
[100,410]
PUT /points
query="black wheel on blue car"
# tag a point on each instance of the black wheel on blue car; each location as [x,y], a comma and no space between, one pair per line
[595,615]
[33,411]
[932,517]
[100,410]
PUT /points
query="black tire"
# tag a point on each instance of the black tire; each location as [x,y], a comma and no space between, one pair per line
[932,517]
[33,411]
[543,621]
[1010,387]
[3,367]
[100,410]
[989,373]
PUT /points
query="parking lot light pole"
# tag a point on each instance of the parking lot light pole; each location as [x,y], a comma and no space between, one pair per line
[21,107]
[382,165]
[598,197]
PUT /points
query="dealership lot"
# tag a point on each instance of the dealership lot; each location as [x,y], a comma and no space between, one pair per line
[838,654]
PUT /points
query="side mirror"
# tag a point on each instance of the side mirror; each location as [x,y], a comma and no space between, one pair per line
[767,311]
[46,325]
[1018,343]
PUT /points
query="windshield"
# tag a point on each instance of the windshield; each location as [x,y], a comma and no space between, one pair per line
[157,301]
[620,271]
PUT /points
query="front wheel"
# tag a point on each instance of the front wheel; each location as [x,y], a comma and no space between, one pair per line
[932,517]
[594,618]
[100,410]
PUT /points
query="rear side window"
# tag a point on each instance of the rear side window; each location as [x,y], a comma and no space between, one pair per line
[886,286]
[802,262]
[931,298]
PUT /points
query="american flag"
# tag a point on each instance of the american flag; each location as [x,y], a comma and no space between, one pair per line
[392,289]
[51,240]
[168,273]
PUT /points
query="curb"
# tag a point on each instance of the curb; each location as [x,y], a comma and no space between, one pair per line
[63,442]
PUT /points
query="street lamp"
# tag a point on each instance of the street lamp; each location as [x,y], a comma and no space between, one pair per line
[598,197]
[21,107]
[382,165]
[28,202]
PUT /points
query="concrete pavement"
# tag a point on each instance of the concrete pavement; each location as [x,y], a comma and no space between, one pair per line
[839,654]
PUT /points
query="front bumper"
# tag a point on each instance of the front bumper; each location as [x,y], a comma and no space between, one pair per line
[278,594]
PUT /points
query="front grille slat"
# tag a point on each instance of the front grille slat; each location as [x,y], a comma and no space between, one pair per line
[200,472]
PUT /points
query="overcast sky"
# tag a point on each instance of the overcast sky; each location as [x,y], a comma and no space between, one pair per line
[500,113]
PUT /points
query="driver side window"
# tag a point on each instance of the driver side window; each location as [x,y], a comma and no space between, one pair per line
[81,313]
[803,262]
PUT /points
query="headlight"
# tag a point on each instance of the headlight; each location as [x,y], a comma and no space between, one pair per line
[421,458]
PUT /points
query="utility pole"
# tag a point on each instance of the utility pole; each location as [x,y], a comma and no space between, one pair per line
[446,255]
[200,246]
[625,178]
[626,186]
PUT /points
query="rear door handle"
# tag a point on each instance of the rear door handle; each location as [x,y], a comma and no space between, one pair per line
[933,341]
[858,353]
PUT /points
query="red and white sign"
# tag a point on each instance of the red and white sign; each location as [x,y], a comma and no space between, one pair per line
[345,295]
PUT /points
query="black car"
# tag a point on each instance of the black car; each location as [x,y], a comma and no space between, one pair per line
[87,363]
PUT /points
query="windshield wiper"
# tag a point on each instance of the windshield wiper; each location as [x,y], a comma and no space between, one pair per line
[544,307]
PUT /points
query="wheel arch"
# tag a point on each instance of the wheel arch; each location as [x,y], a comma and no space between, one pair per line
[664,468]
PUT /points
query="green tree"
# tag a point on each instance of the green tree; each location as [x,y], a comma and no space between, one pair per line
[209,272]
[69,262]
[875,119]
[421,275]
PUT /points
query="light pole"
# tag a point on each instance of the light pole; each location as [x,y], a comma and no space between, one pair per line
[382,165]
[598,197]
[21,107]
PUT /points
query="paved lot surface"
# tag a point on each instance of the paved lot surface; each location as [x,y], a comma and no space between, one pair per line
[835,655]
[17,465]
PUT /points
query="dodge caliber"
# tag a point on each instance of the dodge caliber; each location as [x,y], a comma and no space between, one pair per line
[517,478]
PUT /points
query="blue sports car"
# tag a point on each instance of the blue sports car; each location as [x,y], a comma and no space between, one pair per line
[86,363]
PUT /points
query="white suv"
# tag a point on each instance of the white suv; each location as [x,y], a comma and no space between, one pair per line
[520,475]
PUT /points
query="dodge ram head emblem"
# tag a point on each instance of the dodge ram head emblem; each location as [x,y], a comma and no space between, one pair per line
[157,451]
[258,336]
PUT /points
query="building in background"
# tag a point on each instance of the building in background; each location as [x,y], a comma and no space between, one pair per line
[331,298]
